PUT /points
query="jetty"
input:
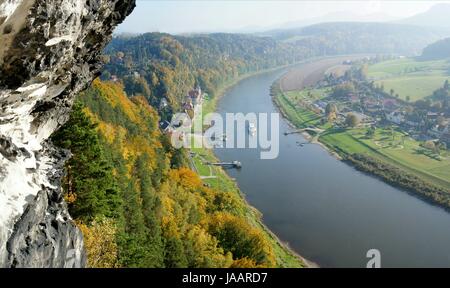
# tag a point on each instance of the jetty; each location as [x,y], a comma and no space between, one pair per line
[315,130]
[234,164]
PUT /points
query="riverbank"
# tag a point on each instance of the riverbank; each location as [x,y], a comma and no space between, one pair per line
[289,119]
[347,146]
[286,257]
[211,104]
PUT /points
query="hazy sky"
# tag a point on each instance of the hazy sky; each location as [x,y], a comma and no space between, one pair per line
[211,16]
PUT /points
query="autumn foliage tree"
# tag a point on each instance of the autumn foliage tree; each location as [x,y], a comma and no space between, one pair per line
[235,235]
[100,243]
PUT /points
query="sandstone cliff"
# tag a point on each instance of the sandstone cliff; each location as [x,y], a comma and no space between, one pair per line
[49,52]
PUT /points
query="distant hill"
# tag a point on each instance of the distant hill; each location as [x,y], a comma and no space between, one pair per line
[342,16]
[437,16]
[437,50]
[361,37]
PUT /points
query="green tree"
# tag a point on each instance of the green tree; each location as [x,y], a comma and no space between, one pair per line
[235,235]
[370,132]
[352,120]
[175,255]
[89,180]
[331,112]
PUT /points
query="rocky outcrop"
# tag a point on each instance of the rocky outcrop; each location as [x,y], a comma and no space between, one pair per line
[50,51]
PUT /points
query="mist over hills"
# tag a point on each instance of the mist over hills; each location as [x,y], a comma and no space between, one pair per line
[342,16]
[437,16]
[357,37]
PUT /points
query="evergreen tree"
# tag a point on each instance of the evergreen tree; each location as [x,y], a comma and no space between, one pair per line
[175,256]
[89,179]
[149,205]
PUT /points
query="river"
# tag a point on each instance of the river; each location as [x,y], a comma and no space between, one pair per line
[326,210]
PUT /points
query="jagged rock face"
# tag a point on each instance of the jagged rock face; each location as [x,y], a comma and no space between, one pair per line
[49,52]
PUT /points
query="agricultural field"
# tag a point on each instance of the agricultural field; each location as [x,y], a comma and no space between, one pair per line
[310,73]
[410,77]
[338,70]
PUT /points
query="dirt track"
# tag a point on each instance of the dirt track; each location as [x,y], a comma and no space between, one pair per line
[310,73]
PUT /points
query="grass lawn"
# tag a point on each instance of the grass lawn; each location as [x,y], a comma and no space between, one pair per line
[403,152]
[410,77]
[409,154]
[342,140]
[301,118]
[310,94]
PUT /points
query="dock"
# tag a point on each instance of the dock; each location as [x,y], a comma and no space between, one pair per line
[314,130]
[234,164]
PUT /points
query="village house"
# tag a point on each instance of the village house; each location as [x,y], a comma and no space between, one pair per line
[196,96]
[165,127]
[193,101]
[353,98]
[320,106]
[396,117]
[188,104]
[445,138]
[413,121]
[438,131]
[163,104]
[390,105]
[432,115]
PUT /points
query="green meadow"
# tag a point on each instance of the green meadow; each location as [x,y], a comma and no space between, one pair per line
[410,77]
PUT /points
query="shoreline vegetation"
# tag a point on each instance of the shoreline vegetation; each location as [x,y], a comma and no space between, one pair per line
[285,254]
[376,165]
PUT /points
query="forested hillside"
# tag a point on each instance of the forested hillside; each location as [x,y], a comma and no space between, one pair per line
[137,202]
[438,50]
[164,66]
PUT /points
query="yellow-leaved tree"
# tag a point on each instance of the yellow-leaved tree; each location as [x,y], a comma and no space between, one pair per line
[100,243]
